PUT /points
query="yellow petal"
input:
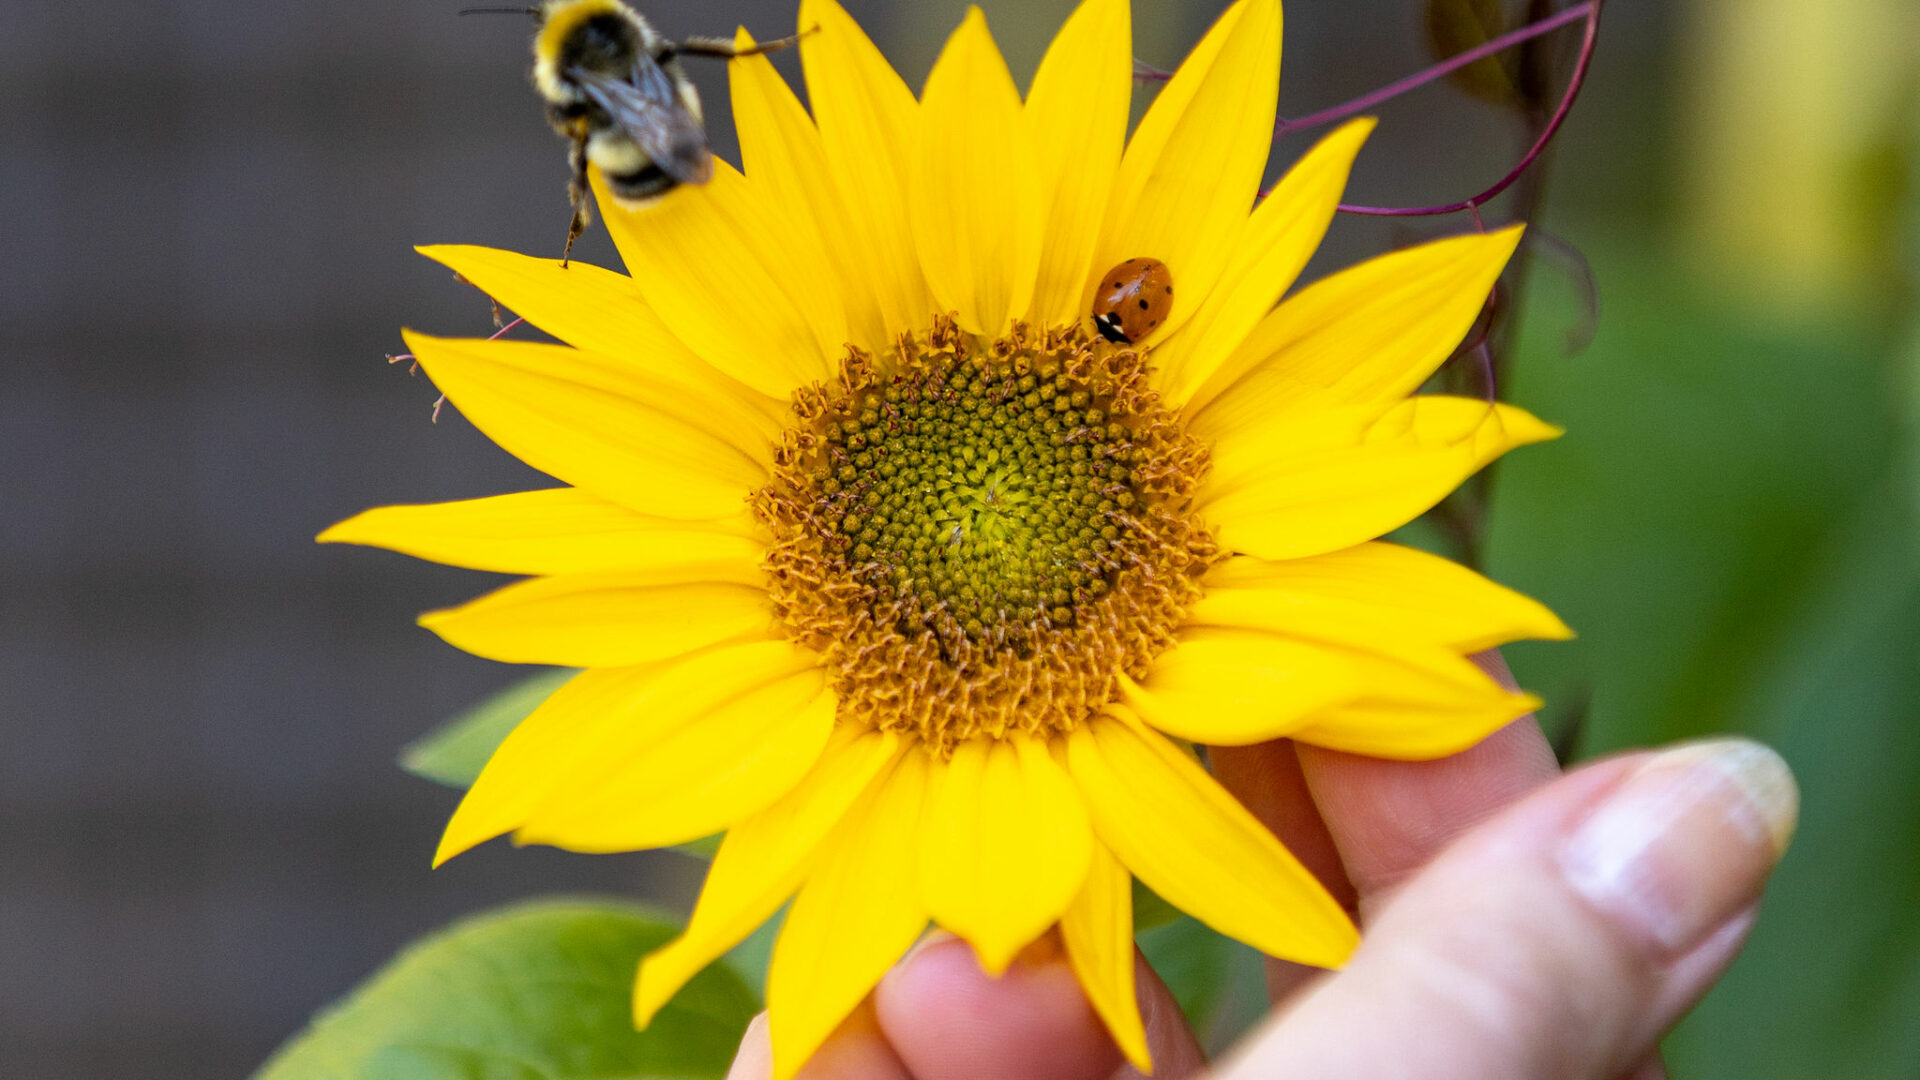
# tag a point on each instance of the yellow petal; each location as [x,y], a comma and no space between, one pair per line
[868,127]
[781,151]
[1190,841]
[715,263]
[1272,249]
[1097,930]
[1076,114]
[1300,504]
[611,619]
[555,531]
[599,311]
[1005,846]
[1411,728]
[542,750]
[1347,627]
[1367,335]
[1232,687]
[972,195]
[596,720]
[583,305]
[1428,596]
[1402,689]
[1194,164]
[720,766]
[1413,696]
[857,913]
[763,860]
[644,443]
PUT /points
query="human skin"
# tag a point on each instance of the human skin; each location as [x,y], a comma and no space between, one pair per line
[1519,924]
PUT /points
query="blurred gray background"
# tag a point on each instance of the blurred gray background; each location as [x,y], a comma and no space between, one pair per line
[206,214]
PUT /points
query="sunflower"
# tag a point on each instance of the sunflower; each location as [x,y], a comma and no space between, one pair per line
[882,563]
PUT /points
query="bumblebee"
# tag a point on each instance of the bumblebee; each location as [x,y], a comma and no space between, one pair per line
[616,91]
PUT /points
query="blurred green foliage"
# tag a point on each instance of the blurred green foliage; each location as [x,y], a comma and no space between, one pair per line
[1730,525]
[1454,26]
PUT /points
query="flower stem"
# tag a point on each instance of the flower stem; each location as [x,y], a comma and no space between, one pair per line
[1591,11]
[1441,70]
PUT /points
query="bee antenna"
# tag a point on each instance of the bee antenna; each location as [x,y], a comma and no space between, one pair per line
[499,11]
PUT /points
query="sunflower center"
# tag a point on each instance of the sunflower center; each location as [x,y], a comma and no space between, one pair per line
[984,498]
[980,538]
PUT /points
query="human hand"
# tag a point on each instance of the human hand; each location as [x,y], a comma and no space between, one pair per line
[1519,924]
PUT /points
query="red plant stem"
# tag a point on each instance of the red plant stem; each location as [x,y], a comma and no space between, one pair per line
[1574,83]
[1438,71]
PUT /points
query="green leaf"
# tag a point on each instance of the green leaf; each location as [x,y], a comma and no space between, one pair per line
[453,753]
[1219,983]
[1149,909]
[537,991]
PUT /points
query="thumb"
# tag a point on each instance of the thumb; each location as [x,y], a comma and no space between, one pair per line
[1559,939]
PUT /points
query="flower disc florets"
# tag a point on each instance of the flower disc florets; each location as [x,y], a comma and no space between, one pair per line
[980,537]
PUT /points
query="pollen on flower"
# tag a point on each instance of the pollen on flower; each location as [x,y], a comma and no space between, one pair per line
[980,537]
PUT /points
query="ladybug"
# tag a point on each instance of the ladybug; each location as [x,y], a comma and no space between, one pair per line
[1132,299]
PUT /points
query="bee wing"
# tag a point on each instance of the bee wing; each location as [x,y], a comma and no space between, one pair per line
[649,111]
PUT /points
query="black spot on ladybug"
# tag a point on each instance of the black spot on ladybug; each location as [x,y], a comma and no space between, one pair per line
[1143,303]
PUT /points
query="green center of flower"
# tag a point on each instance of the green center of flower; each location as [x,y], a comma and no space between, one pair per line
[982,537]
[983,497]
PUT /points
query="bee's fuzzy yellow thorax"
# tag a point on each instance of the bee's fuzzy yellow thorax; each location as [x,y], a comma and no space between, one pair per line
[559,20]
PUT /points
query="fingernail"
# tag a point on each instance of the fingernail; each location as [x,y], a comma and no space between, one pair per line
[1686,841]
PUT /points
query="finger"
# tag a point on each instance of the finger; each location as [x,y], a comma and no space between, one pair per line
[1387,818]
[1267,780]
[754,1059]
[1560,938]
[1694,974]
[1170,1039]
[1651,1069]
[949,1020]
[855,1051]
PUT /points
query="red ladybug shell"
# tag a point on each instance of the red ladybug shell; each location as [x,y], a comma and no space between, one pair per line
[1132,299]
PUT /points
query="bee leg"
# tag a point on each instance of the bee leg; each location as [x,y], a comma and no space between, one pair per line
[577,195]
[723,48]
[575,226]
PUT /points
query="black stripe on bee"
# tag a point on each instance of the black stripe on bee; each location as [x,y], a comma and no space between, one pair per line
[648,182]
